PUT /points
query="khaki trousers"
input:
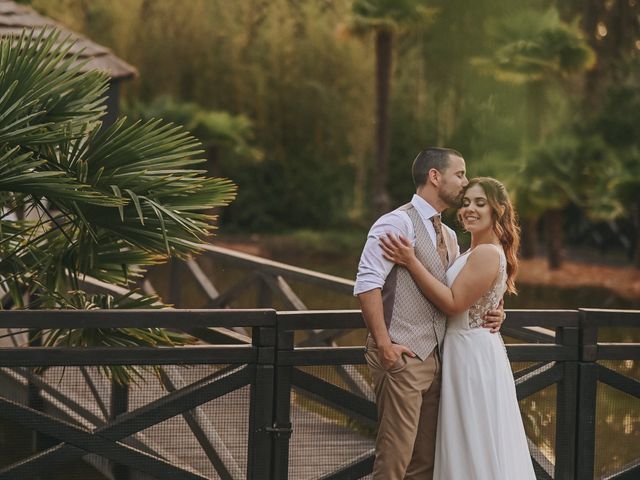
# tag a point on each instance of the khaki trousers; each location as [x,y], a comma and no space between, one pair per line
[407,397]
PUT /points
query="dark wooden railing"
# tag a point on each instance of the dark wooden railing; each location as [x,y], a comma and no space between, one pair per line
[270,277]
[302,410]
[82,427]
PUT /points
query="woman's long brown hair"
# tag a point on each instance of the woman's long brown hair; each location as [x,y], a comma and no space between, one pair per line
[505,223]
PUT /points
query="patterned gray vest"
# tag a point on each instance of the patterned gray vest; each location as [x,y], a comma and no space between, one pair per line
[411,319]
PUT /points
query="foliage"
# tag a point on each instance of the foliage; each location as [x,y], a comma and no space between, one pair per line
[619,123]
[295,70]
[215,129]
[289,67]
[534,46]
[394,15]
[561,170]
[228,138]
[538,50]
[79,198]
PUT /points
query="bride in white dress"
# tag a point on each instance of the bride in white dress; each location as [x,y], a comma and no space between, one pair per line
[480,434]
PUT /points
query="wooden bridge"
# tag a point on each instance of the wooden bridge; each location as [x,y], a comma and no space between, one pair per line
[268,394]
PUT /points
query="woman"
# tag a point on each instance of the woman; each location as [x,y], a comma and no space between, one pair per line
[480,433]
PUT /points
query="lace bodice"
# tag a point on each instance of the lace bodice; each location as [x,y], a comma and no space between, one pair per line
[491,298]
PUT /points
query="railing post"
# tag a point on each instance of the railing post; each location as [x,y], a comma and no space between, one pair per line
[282,411]
[175,282]
[119,405]
[566,408]
[265,295]
[39,441]
[261,405]
[586,400]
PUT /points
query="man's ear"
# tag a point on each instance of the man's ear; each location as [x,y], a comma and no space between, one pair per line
[434,176]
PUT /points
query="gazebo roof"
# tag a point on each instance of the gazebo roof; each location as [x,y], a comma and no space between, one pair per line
[14,18]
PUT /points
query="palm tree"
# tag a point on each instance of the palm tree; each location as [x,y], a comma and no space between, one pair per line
[217,130]
[616,195]
[565,170]
[385,19]
[104,202]
[540,51]
[625,187]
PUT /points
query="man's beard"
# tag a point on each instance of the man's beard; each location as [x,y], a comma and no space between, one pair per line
[451,199]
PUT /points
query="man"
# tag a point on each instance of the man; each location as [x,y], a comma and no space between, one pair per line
[405,329]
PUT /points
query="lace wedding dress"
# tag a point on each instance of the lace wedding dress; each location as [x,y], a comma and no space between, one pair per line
[480,432]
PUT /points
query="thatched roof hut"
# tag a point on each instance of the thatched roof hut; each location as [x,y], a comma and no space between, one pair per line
[14,18]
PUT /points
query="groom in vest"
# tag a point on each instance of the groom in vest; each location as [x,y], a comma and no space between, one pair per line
[405,329]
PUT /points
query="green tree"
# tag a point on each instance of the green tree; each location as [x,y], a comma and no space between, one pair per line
[98,201]
[439,98]
[612,30]
[619,123]
[624,188]
[385,19]
[563,170]
[543,53]
[286,66]
[540,51]
[218,131]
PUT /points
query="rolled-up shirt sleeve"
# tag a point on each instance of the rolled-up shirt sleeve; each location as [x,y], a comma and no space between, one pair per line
[373,267]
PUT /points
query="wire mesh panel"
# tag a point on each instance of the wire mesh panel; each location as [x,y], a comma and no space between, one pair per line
[329,430]
[61,398]
[183,415]
[294,400]
[539,412]
[609,404]
[617,442]
[63,395]
[539,418]
[17,443]
[176,415]
[210,439]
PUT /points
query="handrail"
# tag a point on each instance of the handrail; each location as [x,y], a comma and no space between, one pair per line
[568,358]
[143,318]
[272,267]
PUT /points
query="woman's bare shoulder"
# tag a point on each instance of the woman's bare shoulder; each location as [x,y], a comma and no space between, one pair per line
[485,256]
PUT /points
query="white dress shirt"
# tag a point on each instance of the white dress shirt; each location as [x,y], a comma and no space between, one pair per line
[373,267]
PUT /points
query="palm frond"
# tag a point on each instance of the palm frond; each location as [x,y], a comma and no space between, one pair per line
[44,95]
[97,201]
[391,14]
[535,46]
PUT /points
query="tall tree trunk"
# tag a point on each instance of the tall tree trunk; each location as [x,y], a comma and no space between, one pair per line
[384,51]
[535,111]
[554,223]
[529,241]
[592,13]
[637,225]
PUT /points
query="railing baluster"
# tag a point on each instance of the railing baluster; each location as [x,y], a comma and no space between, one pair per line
[261,407]
[39,441]
[202,279]
[175,282]
[566,409]
[265,294]
[282,411]
[586,395]
[119,405]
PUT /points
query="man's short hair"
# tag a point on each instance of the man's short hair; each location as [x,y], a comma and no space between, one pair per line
[432,157]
